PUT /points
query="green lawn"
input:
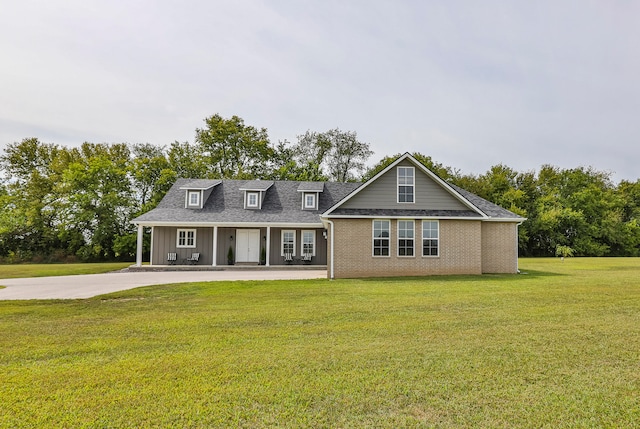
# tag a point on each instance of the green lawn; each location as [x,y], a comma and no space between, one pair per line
[558,346]
[12,271]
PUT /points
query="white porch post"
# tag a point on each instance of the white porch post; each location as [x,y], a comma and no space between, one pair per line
[215,245]
[268,245]
[139,246]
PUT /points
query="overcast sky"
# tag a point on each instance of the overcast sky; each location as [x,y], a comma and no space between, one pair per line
[469,83]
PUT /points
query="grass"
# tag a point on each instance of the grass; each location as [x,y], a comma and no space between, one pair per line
[11,271]
[558,346]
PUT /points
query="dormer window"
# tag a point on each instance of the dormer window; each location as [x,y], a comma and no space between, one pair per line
[197,192]
[255,192]
[194,198]
[310,194]
[309,201]
[253,199]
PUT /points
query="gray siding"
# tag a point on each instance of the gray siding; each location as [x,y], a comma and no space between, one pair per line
[382,194]
[321,246]
[164,241]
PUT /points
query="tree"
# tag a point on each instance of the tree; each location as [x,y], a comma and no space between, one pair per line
[335,154]
[233,150]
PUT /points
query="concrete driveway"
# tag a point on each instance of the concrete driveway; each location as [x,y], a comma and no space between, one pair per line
[90,285]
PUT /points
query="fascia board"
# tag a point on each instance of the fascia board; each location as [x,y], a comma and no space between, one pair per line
[401,217]
[230,224]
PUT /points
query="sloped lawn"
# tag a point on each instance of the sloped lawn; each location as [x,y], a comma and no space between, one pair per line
[557,346]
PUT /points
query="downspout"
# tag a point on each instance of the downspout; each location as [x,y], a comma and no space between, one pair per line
[332,236]
[517,247]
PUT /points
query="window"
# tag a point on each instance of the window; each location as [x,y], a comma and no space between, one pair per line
[430,238]
[381,238]
[406,184]
[309,242]
[186,238]
[252,199]
[194,199]
[288,242]
[309,201]
[406,233]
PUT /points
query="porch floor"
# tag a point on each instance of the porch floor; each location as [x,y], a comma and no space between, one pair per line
[239,267]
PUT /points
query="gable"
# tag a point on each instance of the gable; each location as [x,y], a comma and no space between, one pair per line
[383,193]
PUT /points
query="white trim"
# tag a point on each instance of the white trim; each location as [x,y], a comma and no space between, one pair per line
[198,195]
[282,241]
[215,246]
[232,224]
[250,194]
[405,238]
[314,196]
[139,246]
[151,251]
[186,238]
[313,234]
[413,185]
[268,246]
[373,238]
[422,238]
[424,169]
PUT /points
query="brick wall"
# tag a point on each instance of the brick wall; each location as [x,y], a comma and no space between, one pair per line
[499,247]
[460,250]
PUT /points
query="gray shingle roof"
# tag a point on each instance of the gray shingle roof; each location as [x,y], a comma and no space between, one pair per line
[256,185]
[486,207]
[282,204]
[311,187]
[405,213]
[200,184]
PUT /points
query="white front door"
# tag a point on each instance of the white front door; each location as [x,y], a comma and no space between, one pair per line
[247,245]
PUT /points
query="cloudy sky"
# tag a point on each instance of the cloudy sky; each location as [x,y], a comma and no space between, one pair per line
[470,83]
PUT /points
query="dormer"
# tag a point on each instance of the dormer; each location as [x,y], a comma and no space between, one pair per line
[254,192]
[197,192]
[310,194]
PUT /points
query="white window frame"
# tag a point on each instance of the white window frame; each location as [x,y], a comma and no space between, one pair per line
[197,199]
[282,242]
[313,241]
[313,200]
[412,238]
[437,239]
[374,238]
[257,202]
[186,239]
[402,182]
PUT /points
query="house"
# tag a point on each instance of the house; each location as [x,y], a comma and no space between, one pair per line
[403,221]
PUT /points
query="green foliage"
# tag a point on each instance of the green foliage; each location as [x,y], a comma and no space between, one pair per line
[556,347]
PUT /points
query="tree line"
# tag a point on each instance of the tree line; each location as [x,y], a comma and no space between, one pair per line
[75,204]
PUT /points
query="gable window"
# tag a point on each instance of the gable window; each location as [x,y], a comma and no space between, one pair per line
[288,240]
[381,237]
[406,233]
[194,198]
[309,201]
[406,184]
[186,238]
[430,238]
[252,199]
[309,243]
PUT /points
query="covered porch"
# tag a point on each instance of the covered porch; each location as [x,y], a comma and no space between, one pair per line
[196,247]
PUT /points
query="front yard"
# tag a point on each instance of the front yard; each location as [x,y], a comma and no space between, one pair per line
[558,346]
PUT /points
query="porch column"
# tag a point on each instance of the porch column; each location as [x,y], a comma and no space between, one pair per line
[215,245]
[139,246]
[268,245]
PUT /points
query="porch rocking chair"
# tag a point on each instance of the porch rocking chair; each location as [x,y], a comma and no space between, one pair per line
[288,258]
[171,258]
[306,258]
[193,259]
